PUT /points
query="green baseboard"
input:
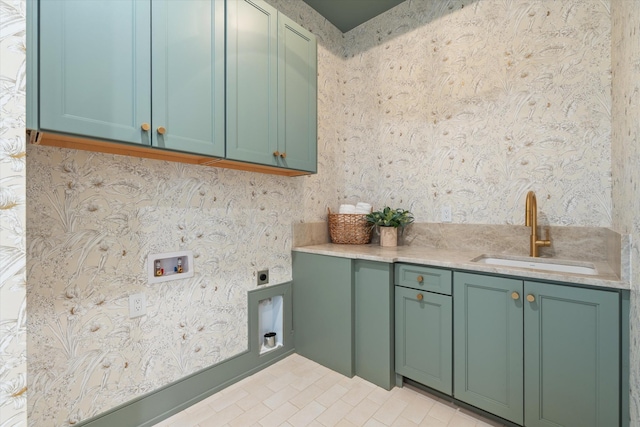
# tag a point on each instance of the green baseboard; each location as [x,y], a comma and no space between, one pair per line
[150,409]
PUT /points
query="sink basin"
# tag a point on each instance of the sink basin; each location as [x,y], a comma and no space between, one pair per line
[561,266]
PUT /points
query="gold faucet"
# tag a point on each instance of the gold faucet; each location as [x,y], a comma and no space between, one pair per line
[531,220]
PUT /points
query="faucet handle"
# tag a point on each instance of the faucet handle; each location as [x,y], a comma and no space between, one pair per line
[546,242]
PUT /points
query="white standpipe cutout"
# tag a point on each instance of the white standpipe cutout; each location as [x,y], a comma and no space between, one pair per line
[270,311]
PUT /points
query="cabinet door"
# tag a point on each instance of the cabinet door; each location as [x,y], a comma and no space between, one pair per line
[571,356]
[96,58]
[488,344]
[373,343]
[252,81]
[323,306]
[297,96]
[188,76]
[424,338]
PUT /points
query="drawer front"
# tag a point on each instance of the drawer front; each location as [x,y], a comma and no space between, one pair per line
[423,278]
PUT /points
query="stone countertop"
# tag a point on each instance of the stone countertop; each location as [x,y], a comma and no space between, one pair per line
[461,260]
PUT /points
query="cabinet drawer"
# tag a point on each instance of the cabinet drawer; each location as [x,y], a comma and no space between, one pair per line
[423,278]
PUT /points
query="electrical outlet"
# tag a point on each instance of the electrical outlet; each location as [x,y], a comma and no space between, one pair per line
[446,213]
[137,305]
[263,277]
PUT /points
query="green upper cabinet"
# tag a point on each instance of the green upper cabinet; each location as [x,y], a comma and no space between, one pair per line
[188,76]
[136,71]
[297,96]
[252,81]
[271,88]
[95,68]
[233,79]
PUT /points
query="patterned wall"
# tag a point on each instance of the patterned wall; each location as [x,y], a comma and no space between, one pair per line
[471,104]
[431,104]
[13,334]
[625,58]
[93,219]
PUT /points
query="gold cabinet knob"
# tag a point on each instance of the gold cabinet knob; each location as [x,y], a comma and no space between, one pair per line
[515,295]
[162,130]
[276,153]
[420,279]
[145,127]
[531,298]
[420,297]
[283,155]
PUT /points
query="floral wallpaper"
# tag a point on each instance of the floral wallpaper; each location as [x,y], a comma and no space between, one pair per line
[471,104]
[625,57]
[91,223]
[460,103]
[13,349]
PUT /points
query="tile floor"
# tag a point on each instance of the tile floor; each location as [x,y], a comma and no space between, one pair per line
[298,392]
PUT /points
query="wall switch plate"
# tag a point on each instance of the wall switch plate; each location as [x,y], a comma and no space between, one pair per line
[446,213]
[137,305]
[263,277]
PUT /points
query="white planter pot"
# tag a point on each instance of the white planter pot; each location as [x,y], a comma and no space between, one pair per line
[388,236]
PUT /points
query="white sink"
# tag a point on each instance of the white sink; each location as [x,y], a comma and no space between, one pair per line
[561,266]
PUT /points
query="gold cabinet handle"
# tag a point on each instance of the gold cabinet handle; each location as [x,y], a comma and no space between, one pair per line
[420,279]
[283,155]
[531,298]
[162,130]
[515,295]
[276,153]
[420,297]
[145,127]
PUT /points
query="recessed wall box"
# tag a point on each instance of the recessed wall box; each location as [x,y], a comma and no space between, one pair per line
[270,320]
[170,266]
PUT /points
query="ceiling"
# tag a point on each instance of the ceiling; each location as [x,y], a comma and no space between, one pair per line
[348,14]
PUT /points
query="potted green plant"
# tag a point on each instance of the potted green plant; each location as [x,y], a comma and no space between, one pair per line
[388,221]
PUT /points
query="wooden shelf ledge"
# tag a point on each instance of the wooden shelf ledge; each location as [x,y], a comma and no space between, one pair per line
[77,143]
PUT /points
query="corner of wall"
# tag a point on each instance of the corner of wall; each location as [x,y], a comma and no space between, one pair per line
[13,310]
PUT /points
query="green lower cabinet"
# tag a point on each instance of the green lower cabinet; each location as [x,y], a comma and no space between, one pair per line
[373,341]
[423,331]
[569,371]
[488,344]
[572,353]
[323,305]
[343,315]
